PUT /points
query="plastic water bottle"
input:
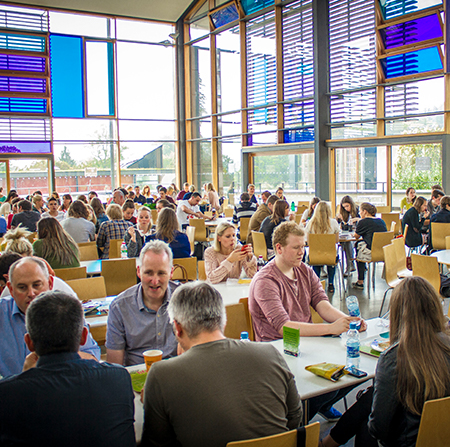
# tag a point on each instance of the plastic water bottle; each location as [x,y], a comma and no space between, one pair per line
[244,336]
[123,251]
[353,344]
[293,207]
[353,308]
[260,264]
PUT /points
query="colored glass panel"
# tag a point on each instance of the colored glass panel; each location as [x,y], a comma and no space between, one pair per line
[25,147]
[22,63]
[415,62]
[22,43]
[66,58]
[22,105]
[395,8]
[28,85]
[224,15]
[298,135]
[413,31]
[251,6]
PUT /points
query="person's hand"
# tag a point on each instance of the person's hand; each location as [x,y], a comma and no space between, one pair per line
[30,361]
[237,255]
[291,216]
[341,325]
[426,214]
[363,326]
[249,251]
[132,233]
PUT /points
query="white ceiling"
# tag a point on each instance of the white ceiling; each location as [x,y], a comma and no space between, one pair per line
[167,10]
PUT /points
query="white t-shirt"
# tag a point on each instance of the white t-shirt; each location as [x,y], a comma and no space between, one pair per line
[59,217]
[182,216]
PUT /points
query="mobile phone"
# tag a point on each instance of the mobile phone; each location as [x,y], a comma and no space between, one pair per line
[356,372]
[244,247]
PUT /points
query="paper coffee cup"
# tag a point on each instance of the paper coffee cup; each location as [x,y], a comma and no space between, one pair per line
[151,356]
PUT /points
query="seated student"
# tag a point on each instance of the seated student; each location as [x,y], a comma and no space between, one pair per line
[67,201]
[442,216]
[137,236]
[99,211]
[25,217]
[55,245]
[434,203]
[308,213]
[53,210]
[268,225]
[57,386]
[264,210]
[244,208]
[415,369]
[77,224]
[226,258]
[415,217]
[407,202]
[213,197]
[183,191]
[251,193]
[163,195]
[163,203]
[128,210]
[189,207]
[16,241]
[168,230]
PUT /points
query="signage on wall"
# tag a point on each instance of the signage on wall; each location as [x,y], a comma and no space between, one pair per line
[423,163]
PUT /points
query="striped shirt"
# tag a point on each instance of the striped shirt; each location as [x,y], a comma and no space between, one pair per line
[243,209]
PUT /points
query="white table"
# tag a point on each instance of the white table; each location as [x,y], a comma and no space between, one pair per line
[443,256]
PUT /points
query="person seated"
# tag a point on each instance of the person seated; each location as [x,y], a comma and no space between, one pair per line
[443,216]
[251,193]
[434,204]
[38,203]
[138,318]
[415,218]
[16,241]
[138,197]
[163,203]
[99,211]
[308,213]
[183,191]
[280,193]
[163,195]
[3,225]
[407,202]
[323,223]
[58,386]
[189,208]
[146,193]
[168,230]
[213,197]
[67,201]
[55,245]
[227,258]
[77,223]
[91,195]
[244,208]
[415,369]
[138,235]
[268,225]
[114,228]
[128,210]
[365,228]
[53,206]
[220,390]
[25,217]
[263,211]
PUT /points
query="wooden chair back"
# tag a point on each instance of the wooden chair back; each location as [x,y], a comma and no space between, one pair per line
[427,267]
[302,203]
[286,439]
[98,334]
[89,288]
[259,245]
[200,229]
[201,270]
[190,264]
[237,321]
[316,318]
[88,252]
[378,242]
[251,334]
[71,273]
[390,265]
[32,237]
[301,209]
[298,218]
[393,227]
[208,213]
[389,218]
[322,249]
[190,233]
[228,212]
[434,429]
[119,274]
[154,216]
[244,222]
[87,244]
[400,255]
[447,243]
[115,248]
[439,231]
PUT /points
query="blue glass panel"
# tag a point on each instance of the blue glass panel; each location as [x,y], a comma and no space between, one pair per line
[66,59]
[22,63]
[224,15]
[22,43]
[415,62]
[23,105]
[25,147]
[395,8]
[413,31]
[250,6]
[30,85]
[298,135]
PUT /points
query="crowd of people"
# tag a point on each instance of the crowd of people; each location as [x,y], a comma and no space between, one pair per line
[229,390]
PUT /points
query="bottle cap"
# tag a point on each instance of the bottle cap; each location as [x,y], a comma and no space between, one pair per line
[353,324]
[244,335]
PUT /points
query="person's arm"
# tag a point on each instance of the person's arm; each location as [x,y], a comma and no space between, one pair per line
[115,336]
[187,210]
[134,247]
[235,219]
[115,356]
[90,350]
[250,266]
[216,272]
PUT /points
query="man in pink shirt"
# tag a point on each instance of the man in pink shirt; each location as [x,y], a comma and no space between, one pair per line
[281,295]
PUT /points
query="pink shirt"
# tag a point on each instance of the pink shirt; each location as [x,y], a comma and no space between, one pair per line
[275,299]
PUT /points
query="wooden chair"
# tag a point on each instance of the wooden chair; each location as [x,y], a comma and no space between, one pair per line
[87,244]
[388,218]
[298,218]
[119,274]
[244,222]
[32,237]
[400,254]
[88,252]
[89,288]
[200,230]
[190,233]
[228,212]
[378,242]
[237,321]
[439,231]
[190,264]
[434,429]
[98,334]
[115,248]
[259,245]
[251,334]
[302,203]
[154,216]
[301,209]
[71,273]
[286,439]
[209,214]
[447,243]
[390,271]
[427,267]
[201,270]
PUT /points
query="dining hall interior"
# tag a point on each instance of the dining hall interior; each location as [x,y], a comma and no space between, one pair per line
[323,99]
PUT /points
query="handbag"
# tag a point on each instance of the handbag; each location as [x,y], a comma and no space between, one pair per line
[363,254]
[184,274]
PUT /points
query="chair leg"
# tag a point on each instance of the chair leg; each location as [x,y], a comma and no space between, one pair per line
[373,274]
[384,298]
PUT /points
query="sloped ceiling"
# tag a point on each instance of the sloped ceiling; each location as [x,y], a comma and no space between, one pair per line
[167,10]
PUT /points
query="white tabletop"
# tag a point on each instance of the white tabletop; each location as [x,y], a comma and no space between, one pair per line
[443,256]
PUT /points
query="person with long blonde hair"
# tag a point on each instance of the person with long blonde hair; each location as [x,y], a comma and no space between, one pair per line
[415,368]
[227,258]
[323,223]
[213,197]
[16,241]
[308,213]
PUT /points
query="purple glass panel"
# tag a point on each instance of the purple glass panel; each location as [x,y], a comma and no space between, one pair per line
[413,31]
[22,63]
[29,85]
[25,147]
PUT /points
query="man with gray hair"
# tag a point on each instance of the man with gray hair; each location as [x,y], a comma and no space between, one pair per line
[220,390]
[64,399]
[138,318]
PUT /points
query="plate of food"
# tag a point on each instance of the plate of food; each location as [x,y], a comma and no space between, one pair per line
[380,345]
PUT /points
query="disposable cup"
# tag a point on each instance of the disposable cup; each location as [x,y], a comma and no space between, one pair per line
[152,356]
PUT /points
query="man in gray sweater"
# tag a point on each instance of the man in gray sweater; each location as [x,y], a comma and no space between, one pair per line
[219,390]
